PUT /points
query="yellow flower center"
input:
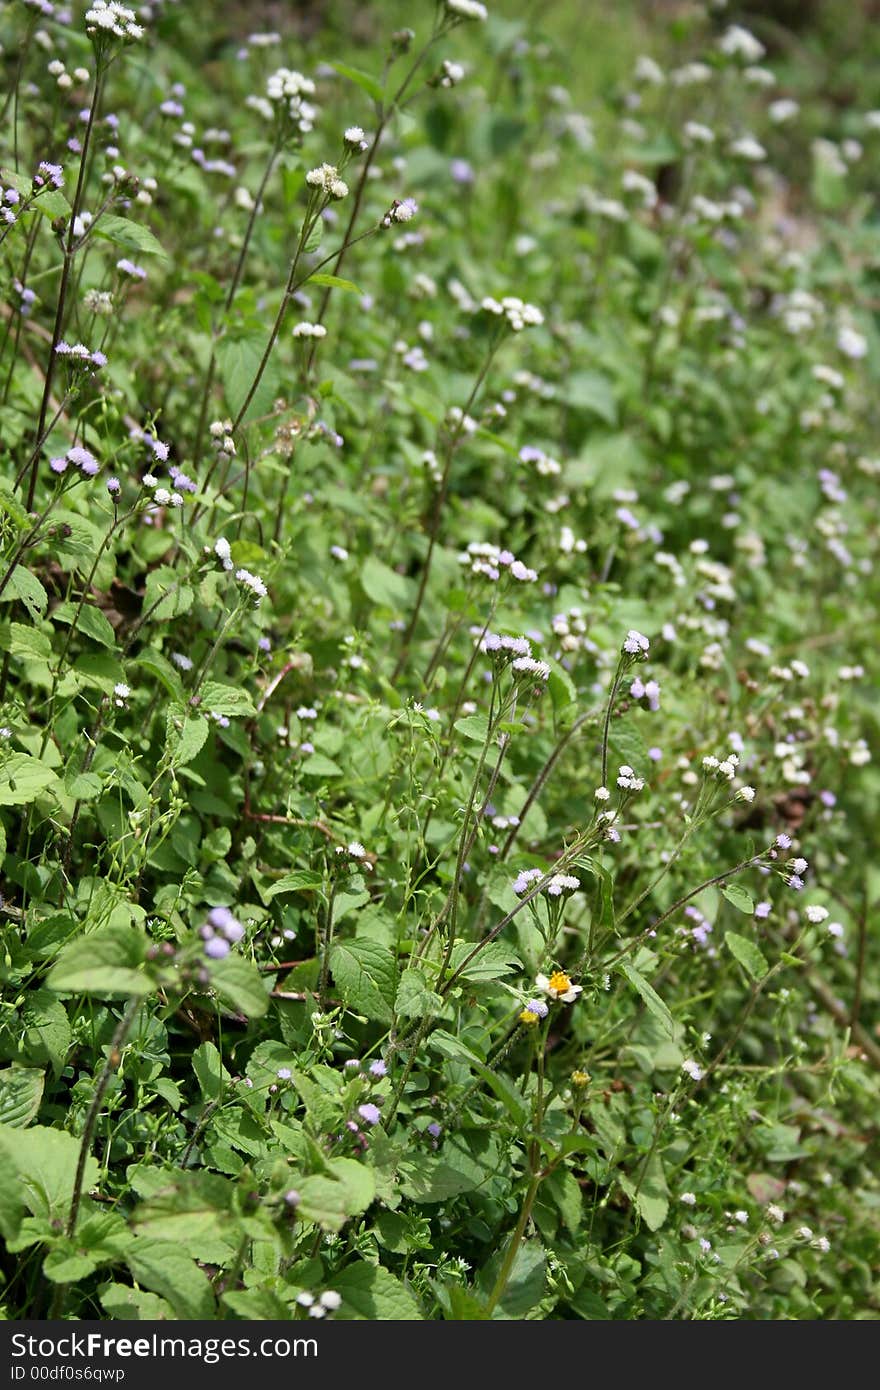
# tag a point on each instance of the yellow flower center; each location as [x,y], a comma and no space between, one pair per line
[580,1079]
[559,983]
[528,1018]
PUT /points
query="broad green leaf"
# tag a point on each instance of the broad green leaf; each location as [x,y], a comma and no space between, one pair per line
[333,282]
[21,1090]
[491,963]
[373,1293]
[651,1197]
[102,962]
[414,999]
[46,1161]
[298,881]
[89,620]
[371,85]
[473,726]
[747,953]
[187,742]
[366,975]
[331,1198]
[169,1272]
[651,998]
[239,361]
[226,699]
[739,898]
[592,392]
[27,588]
[239,984]
[210,1071]
[28,642]
[130,235]
[23,779]
[525,1285]
[385,586]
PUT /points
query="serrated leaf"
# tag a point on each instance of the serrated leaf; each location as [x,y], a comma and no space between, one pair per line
[747,953]
[651,1196]
[132,236]
[298,881]
[23,779]
[331,1198]
[21,1090]
[102,962]
[226,699]
[651,998]
[25,641]
[46,1161]
[187,742]
[165,1270]
[27,588]
[365,972]
[374,1293]
[414,999]
[492,962]
[89,620]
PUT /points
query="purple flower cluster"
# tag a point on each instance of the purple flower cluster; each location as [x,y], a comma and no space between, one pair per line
[220,931]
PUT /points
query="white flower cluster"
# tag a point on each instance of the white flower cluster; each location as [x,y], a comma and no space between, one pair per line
[723,767]
[326,177]
[286,89]
[309,330]
[554,888]
[737,42]
[627,779]
[489,560]
[519,315]
[223,551]
[467,9]
[636,644]
[254,583]
[108,17]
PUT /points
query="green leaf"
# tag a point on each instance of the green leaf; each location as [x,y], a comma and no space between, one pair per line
[239,359]
[21,1090]
[371,85]
[414,999]
[23,779]
[299,881]
[651,1198]
[239,984]
[130,235]
[739,898]
[164,595]
[89,620]
[384,585]
[748,955]
[226,699]
[165,1270]
[188,741]
[105,962]
[365,972]
[210,1071]
[651,998]
[525,1285]
[333,282]
[331,1198]
[373,1293]
[27,642]
[490,963]
[473,726]
[46,1161]
[27,588]
[593,392]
